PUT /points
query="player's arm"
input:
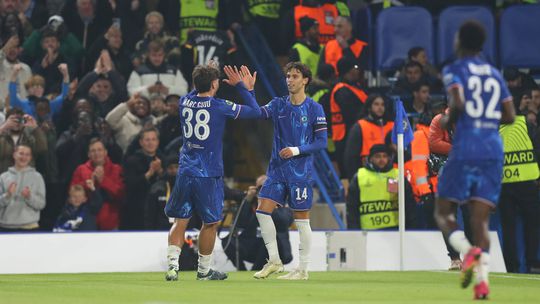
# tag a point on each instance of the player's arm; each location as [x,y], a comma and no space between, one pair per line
[236,78]
[320,135]
[456,98]
[507,105]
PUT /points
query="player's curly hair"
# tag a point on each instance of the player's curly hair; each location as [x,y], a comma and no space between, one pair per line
[472,36]
[302,68]
[203,75]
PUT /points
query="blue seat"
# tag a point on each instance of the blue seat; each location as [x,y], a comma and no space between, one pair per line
[520,36]
[363,29]
[398,30]
[449,22]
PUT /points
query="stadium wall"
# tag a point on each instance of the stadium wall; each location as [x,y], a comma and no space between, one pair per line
[146,252]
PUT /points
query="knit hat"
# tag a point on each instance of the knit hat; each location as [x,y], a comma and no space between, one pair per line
[378,148]
[346,64]
[307,23]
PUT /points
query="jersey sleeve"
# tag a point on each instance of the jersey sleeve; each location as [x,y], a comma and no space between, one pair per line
[229,108]
[451,78]
[267,111]
[505,92]
[319,119]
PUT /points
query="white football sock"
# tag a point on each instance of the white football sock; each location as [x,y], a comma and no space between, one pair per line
[268,232]
[204,263]
[304,230]
[459,241]
[173,254]
[483,268]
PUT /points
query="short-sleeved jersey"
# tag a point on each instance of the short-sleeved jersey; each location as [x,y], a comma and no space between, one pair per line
[209,45]
[484,90]
[294,126]
[203,123]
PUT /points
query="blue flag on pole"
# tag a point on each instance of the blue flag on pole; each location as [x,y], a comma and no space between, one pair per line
[401,125]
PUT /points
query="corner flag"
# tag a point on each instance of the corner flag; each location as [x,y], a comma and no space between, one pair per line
[401,125]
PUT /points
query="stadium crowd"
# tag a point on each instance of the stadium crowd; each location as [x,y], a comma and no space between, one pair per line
[89,130]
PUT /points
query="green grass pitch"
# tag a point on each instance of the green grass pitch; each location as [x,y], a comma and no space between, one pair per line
[322,287]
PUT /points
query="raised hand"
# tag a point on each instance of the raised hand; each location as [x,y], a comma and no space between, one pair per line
[29,121]
[248,79]
[90,185]
[232,74]
[16,69]
[98,174]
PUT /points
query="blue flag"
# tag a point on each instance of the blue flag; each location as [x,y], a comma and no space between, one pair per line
[402,125]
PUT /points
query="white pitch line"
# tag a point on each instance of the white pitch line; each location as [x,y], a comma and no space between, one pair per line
[495,275]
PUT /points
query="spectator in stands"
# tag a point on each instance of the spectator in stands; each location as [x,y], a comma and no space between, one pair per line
[519,193]
[251,245]
[9,58]
[47,66]
[31,13]
[79,212]
[20,128]
[108,177]
[518,82]
[141,170]
[365,133]
[345,45]
[129,118]
[22,193]
[154,217]
[154,30]
[70,47]
[307,50]
[11,25]
[420,103]
[372,203]
[414,73]
[156,76]
[35,88]
[346,105]
[84,22]
[104,86]
[111,42]
[169,128]
[157,106]
[418,54]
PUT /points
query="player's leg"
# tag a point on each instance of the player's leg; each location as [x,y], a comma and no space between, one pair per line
[208,197]
[178,207]
[300,200]
[480,212]
[270,194]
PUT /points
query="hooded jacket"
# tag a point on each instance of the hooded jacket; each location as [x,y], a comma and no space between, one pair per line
[17,211]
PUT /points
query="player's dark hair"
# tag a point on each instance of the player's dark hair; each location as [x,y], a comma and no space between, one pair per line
[413,52]
[203,75]
[472,36]
[302,68]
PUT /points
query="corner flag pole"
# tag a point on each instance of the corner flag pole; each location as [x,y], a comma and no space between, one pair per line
[401,200]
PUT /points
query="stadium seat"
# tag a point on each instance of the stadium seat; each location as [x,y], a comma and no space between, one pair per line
[519,36]
[449,22]
[398,30]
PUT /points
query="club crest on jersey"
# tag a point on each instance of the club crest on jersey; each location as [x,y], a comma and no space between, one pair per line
[304,118]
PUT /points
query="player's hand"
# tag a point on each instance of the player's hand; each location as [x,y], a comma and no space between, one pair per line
[248,79]
[11,189]
[26,193]
[286,153]
[233,75]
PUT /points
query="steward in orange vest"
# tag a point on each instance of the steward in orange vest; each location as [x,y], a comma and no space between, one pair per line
[366,133]
[325,15]
[345,45]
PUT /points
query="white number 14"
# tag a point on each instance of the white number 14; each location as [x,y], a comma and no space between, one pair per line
[303,196]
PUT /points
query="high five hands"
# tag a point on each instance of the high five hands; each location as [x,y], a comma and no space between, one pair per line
[235,75]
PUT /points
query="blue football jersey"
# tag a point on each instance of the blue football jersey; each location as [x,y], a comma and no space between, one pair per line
[302,126]
[484,90]
[203,123]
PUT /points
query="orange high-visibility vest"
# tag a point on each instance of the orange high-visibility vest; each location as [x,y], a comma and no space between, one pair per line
[338,125]
[333,51]
[372,134]
[325,16]
[417,166]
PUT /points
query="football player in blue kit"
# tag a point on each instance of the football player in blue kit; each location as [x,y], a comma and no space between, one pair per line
[199,183]
[479,101]
[299,131]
